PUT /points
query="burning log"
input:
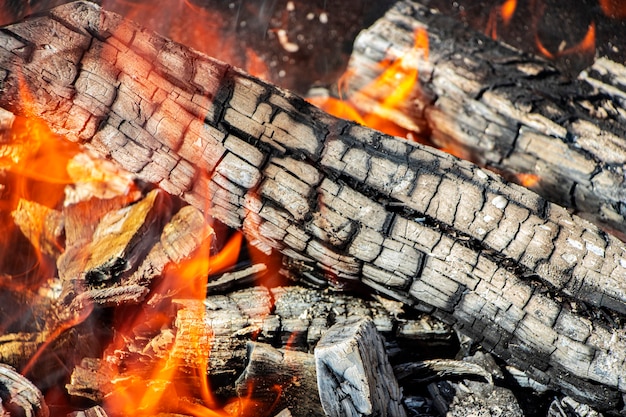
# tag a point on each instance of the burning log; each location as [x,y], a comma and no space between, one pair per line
[538,287]
[289,318]
[505,110]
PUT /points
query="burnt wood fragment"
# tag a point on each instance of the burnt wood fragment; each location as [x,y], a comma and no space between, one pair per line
[280,378]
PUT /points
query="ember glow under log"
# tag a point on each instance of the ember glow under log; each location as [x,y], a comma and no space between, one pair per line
[344,204]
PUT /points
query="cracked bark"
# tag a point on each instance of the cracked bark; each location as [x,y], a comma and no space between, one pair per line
[523,277]
[505,110]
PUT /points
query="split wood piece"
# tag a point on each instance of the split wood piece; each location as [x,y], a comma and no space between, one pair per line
[344,203]
[505,110]
[121,238]
[236,279]
[428,370]
[19,397]
[185,235]
[81,218]
[41,225]
[278,378]
[354,376]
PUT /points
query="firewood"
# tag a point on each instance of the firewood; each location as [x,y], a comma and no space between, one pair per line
[120,240]
[526,279]
[503,109]
[19,396]
[280,378]
[425,371]
[353,373]
[291,318]
[42,226]
[238,278]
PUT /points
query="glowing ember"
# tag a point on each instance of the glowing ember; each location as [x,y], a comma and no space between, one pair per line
[399,77]
[527,180]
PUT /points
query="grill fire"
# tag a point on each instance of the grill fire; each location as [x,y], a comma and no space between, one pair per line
[182,238]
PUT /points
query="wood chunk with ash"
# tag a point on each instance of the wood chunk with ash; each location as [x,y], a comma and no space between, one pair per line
[460,395]
[353,373]
[280,378]
[19,396]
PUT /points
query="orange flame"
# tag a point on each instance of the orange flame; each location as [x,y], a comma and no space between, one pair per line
[505,13]
[586,46]
[176,378]
[399,77]
[615,9]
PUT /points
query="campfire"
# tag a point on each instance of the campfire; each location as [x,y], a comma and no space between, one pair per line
[181,237]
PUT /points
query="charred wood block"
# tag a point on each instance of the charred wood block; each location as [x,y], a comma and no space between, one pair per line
[520,275]
[353,373]
[280,378]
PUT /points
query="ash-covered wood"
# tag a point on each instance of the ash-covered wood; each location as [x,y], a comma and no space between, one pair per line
[476,396]
[345,204]
[288,318]
[19,397]
[353,372]
[503,109]
[280,378]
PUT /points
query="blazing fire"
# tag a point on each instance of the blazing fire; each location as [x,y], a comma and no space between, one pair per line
[399,77]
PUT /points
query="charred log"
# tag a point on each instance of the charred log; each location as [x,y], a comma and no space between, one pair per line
[521,276]
[505,110]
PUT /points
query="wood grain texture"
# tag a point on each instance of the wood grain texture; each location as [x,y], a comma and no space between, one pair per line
[344,204]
